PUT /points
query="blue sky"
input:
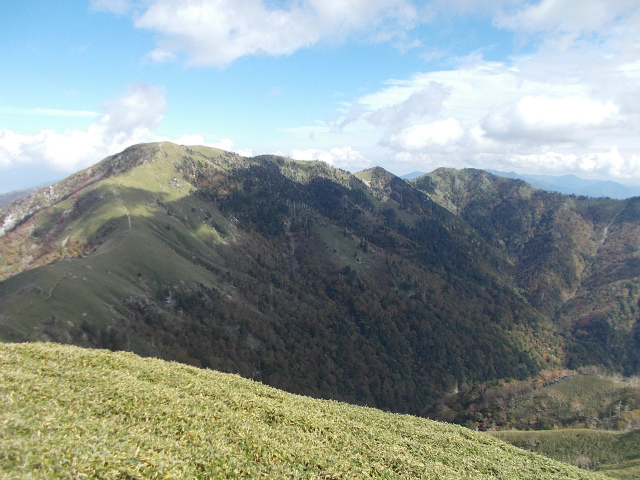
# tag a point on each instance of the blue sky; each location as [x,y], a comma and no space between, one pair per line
[550,86]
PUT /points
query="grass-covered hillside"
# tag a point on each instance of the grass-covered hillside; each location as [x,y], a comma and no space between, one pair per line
[555,399]
[616,454]
[67,412]
[584,418]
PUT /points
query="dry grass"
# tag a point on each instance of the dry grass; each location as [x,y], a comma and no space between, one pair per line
[67,412]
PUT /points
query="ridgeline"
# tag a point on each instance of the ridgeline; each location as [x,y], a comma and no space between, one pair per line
[359,288]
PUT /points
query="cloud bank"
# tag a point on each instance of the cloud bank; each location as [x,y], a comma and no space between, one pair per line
[494,116]
[340,157]
[569,106]
[127,120]
[217,32]
[567,102]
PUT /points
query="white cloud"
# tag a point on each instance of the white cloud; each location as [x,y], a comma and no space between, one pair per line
[190,140]
[546,120]
[567,16]
[340,157]
[409,104]
[224,144]
[570,104]
[126,120]
[559,112]
[466,93]
[48,112]
[198,139]
[159,55]
[601,164]
[354,114]
[426,101]
[10,146]
[570,115]
[141,107]
[245,152]
[217,32]
[435,135]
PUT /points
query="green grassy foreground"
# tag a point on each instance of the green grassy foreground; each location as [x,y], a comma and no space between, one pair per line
[67,412]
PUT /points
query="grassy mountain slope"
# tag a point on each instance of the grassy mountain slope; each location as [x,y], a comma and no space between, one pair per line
[362,288]
[615,454]
[69,413]
[563,399]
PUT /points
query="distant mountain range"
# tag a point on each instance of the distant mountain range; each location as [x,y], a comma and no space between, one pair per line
[567,184]
[365,288]
[572,185]
[412,175]
[17,194]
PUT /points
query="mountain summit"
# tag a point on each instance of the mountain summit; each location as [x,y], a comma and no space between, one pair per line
[364,288]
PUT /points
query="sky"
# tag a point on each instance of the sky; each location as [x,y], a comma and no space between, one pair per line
[540,87]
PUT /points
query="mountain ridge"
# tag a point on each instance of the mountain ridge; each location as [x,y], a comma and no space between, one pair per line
[364,288]
[574,185]
[566,184]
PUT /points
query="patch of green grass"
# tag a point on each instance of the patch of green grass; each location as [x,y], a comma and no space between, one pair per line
[66,412]
[615,453]
[629,470]
[344,250]
[578,400]
[364,175]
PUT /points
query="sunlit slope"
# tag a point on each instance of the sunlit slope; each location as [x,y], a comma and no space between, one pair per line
[138,229]
[69,412]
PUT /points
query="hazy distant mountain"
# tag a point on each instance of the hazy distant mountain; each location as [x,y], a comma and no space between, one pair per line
[365,288]
[16,194]
[412,175]
[573,185]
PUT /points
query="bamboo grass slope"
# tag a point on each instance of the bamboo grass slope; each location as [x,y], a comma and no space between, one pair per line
[67,412]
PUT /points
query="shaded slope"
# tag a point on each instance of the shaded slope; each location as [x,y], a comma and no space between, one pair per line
[71,412]
[575,259]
